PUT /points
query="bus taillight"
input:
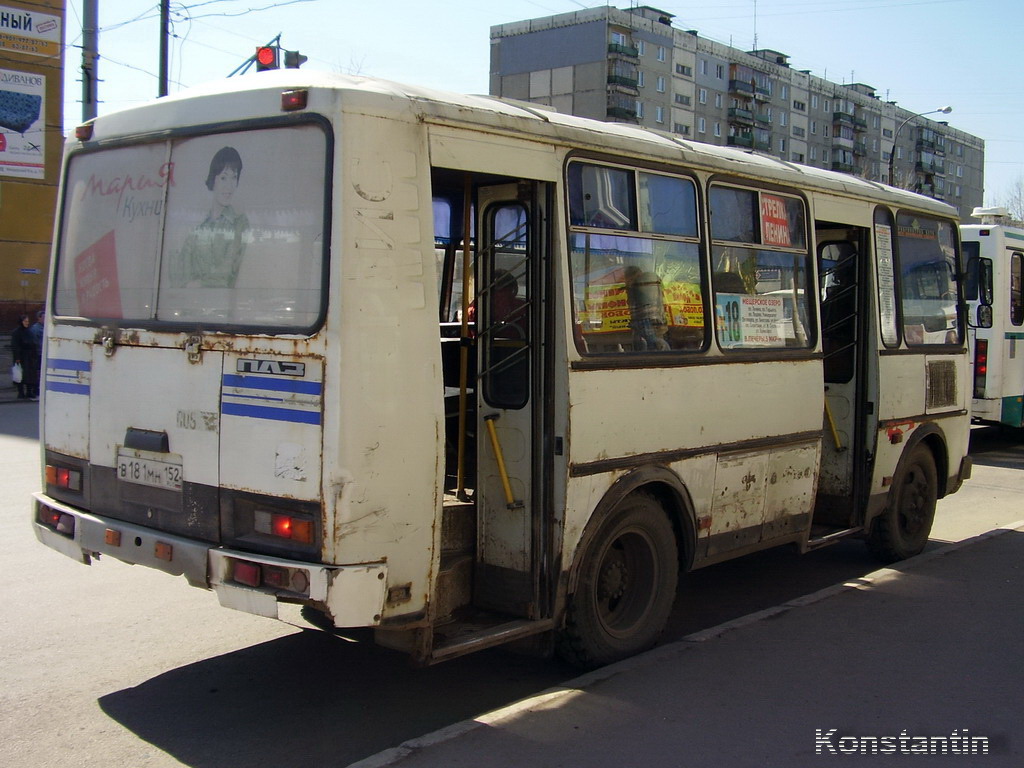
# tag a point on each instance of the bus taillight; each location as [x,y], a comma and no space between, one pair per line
[980,366]
[284,526]
[57,520]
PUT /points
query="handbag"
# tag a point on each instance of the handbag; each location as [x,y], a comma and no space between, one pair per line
[16,373]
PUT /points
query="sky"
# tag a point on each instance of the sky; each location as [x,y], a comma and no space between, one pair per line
[923,54]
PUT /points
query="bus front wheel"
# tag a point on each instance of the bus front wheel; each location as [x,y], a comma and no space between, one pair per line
[902,530]
[626,586]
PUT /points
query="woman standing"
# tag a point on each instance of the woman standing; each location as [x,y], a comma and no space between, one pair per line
[25,352]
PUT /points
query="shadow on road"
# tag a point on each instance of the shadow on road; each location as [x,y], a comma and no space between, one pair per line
[998,447]
[312,699]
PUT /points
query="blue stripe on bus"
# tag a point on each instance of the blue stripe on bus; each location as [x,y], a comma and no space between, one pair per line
[273,414]
[67,364]
[66,387]
[273,384]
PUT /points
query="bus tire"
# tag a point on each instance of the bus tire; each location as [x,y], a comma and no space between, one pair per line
[902,530]
[626,586]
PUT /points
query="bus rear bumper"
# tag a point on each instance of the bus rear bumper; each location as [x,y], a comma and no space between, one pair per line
[353,595]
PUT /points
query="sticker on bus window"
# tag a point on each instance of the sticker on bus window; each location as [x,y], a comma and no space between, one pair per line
[96,283]
[750,321]
[775,221]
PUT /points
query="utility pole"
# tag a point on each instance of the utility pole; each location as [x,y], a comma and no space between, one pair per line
[165,29]
[90,57]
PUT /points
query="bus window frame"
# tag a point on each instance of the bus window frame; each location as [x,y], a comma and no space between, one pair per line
[958,266]
[639,358]
[810,266]
[193,131]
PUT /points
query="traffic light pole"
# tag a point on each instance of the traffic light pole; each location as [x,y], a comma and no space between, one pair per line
[165,32]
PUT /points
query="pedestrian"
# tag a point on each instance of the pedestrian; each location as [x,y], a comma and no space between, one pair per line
[26,353]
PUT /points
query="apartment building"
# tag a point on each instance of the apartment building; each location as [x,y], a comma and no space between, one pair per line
[634,66]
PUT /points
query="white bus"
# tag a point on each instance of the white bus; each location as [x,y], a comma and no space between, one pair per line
[466,371]
[998,351]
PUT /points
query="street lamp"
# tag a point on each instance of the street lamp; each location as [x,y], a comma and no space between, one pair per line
[895,137]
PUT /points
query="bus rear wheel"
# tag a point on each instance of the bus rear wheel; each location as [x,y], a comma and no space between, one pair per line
[626,586]
[902,530]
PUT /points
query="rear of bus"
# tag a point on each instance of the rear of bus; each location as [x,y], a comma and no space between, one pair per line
[188,367]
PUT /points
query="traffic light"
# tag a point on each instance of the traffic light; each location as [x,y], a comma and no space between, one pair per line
[293,59]
[266,58]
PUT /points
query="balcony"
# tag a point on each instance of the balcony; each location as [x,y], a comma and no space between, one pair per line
[763,146]
[740,86]
[860,148]
[842,118]
[762,118]
[629,51]
[739,115]
[631,84]
[621,114]
[741,141]
[931,168]
[838,165]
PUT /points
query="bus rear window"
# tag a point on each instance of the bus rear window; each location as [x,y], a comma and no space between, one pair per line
[221,229]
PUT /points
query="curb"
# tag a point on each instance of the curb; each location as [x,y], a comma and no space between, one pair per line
[572,688]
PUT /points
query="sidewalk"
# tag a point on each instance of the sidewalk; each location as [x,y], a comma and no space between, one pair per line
[8,392]
[932,648]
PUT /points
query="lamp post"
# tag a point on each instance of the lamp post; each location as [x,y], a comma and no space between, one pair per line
[896,136]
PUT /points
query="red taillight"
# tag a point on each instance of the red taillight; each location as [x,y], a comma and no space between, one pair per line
[61,522]
[62,477]
[247,573]
[83,132]
[283,526]
[294,100]
[980,366]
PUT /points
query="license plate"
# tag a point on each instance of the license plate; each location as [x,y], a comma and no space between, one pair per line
[149,471]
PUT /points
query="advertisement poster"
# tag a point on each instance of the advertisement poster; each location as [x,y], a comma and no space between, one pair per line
[22,124]
[23,31]
[749,321]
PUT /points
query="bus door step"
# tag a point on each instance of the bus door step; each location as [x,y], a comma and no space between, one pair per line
[457,641]
[822,536]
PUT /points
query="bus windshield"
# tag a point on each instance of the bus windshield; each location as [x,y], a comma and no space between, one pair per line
[219,229]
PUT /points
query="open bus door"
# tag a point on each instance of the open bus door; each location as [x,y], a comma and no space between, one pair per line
[499,501]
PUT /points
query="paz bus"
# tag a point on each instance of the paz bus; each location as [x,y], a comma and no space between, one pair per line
[465,371]
[997,244]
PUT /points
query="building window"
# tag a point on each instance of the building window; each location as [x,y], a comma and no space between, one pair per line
[718,129]
[701,125]
[720,71]
[814,127]
[683,99]
[619,39]
[681,129]
[825,105]
[718,100]
[641,47]
[784,93]
[800,106]
[641,81]
[959,171]
[798,157]
[814,101]
[661,53]
[799,132]
[782,119]
[874,145]
[768,114]
[957,188]
[659,114]
[782,146]
[825,130]
[876,122]
[685,71]
[824,155]
[887,132]
[703,66]
[661,84]
[814,153]
[639,109]
[702,95]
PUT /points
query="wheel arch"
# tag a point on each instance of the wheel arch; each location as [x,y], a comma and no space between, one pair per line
[934,439]
[669,490]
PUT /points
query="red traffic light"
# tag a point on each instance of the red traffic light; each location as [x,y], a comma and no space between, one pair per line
[266,58]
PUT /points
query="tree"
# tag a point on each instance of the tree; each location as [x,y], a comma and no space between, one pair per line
[1013,199]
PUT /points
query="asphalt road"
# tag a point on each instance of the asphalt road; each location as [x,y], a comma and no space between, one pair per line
[114,665]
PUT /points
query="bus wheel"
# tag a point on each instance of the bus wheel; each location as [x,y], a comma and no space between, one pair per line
[626,587]
[902,530]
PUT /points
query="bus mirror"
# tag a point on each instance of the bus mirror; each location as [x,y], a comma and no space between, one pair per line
[983,268]
[984,316]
